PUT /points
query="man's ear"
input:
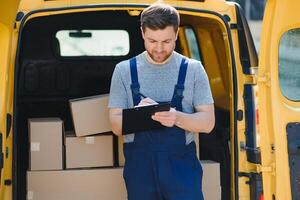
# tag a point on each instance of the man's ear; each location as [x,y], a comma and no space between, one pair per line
[142,31]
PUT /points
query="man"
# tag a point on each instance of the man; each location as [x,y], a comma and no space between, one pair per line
[162,164]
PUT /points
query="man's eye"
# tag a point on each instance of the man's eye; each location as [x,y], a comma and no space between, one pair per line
[167,41]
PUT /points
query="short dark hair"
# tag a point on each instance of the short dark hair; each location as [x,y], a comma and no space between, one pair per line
[159,16]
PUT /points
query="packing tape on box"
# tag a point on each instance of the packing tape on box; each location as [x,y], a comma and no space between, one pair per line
[35,146]
[29,195]
[90,140]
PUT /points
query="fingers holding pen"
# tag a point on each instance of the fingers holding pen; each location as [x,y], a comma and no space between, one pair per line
[146,101]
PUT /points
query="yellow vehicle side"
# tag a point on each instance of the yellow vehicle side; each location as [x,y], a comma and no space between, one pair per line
[215,24]
[217,59]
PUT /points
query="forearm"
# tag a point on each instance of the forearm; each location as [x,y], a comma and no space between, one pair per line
[196,122]
[116,122]
[115,116]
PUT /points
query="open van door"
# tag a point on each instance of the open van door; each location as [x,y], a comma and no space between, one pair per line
[8,11]
[279,100]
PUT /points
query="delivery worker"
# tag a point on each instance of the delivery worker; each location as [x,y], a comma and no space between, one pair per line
[162,164]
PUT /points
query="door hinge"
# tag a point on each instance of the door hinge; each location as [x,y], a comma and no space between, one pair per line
[265,168]
[264,79]
[259,169]
[250,79]
[253,79]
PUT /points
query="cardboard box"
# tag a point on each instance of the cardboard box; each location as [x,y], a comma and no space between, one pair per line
[96,184]
[101,184]
[196,138]
[90,115]
[211,174]
[212,193]
[90,151]
[211,185]
[120,153]
[46,143]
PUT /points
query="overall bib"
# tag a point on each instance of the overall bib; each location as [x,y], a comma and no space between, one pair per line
[159,165]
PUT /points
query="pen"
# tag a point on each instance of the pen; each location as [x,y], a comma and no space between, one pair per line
[142,95]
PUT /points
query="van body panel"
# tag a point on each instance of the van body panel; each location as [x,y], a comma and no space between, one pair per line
[242,105]
[222,87]
[8,10]
[276,111]
[229,80]
[29,5]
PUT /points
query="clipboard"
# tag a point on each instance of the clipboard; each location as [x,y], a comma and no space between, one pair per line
[139,119]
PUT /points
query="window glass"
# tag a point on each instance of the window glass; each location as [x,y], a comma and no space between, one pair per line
[192,43]
[289,64]
[93,42]
[254,9]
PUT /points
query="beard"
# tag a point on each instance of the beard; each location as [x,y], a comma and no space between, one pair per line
[160,57]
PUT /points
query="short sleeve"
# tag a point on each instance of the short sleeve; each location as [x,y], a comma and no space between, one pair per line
[202,91]
[118,97]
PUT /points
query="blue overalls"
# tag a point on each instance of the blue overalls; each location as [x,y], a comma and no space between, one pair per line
[159,165]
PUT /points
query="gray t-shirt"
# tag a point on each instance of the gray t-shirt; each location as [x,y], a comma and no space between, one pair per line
[157,82]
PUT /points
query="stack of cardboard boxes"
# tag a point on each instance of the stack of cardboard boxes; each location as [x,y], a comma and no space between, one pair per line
[74,165]
[71,165]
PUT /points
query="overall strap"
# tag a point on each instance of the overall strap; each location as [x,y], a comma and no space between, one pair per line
[179,87]
[135,86]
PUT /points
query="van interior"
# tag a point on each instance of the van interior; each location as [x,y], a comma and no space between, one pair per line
[48,76]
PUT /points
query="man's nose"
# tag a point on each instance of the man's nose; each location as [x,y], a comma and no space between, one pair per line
[159,47]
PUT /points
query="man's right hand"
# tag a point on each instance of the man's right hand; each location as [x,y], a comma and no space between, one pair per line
[115,115]
[146,102]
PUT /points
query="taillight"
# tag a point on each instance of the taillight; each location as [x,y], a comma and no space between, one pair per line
[261,197]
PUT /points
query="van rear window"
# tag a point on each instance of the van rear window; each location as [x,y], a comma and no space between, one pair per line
[93,42]
[192,43]
[289,64]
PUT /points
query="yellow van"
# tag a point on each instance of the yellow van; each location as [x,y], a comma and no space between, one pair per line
[56,50]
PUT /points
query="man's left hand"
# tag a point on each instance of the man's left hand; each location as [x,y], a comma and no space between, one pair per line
[166,118]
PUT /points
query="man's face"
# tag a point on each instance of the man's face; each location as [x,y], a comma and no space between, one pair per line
[160,43]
